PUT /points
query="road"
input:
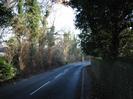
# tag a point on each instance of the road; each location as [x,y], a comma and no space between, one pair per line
[65,82]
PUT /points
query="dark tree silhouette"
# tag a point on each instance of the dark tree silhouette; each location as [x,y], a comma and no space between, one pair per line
[102,21]
[5,15]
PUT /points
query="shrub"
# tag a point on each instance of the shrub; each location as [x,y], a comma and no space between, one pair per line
[7,71]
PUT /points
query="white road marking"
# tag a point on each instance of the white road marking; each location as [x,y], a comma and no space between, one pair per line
[58,75]
[39,88]
[65,70]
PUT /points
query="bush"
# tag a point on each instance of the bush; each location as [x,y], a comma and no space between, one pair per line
[7,71]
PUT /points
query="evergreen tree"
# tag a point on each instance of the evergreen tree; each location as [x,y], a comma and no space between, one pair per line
[5,15]
[33,20]
[102,21]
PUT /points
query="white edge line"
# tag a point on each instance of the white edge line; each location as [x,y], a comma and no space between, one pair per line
[39,88]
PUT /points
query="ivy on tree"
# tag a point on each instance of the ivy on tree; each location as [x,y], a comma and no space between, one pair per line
[5,15]
[102,21]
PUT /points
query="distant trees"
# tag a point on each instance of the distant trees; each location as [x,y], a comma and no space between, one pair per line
[102,23]
[66,45]
[50,42]
[34,45]
[71,49]
[74,52]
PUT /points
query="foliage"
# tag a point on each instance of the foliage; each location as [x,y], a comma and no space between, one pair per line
[102,22]
[33,16]
[73,50]
[5,15]
[34,46]
[58,57]
[126,43]
[66,45]
[11,50]
[7,71]
[26,30]
[50,36]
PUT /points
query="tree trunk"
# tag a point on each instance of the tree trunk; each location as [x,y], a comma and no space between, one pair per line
[20,56]
[49,57]
[115,43]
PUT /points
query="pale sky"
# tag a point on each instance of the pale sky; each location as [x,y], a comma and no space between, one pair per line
[62,17]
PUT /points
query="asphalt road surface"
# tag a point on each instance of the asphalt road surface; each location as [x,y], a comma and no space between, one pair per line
[61,83]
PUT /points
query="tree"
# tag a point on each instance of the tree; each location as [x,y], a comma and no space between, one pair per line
[33,19]
[19,28]
[11,50]
[70,48]
[66,44]
[50,42]
[102,21]
[74,49]
[5,15]
[126,43]
[26,30]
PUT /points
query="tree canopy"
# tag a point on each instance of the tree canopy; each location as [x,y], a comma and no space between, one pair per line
[102,22]
[5,15]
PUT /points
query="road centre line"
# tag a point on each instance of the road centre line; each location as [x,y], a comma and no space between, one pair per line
[61,73]
[66,70]
[49,82]
[39,88]
[58,75]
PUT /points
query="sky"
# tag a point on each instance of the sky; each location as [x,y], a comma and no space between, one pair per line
[63,18]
